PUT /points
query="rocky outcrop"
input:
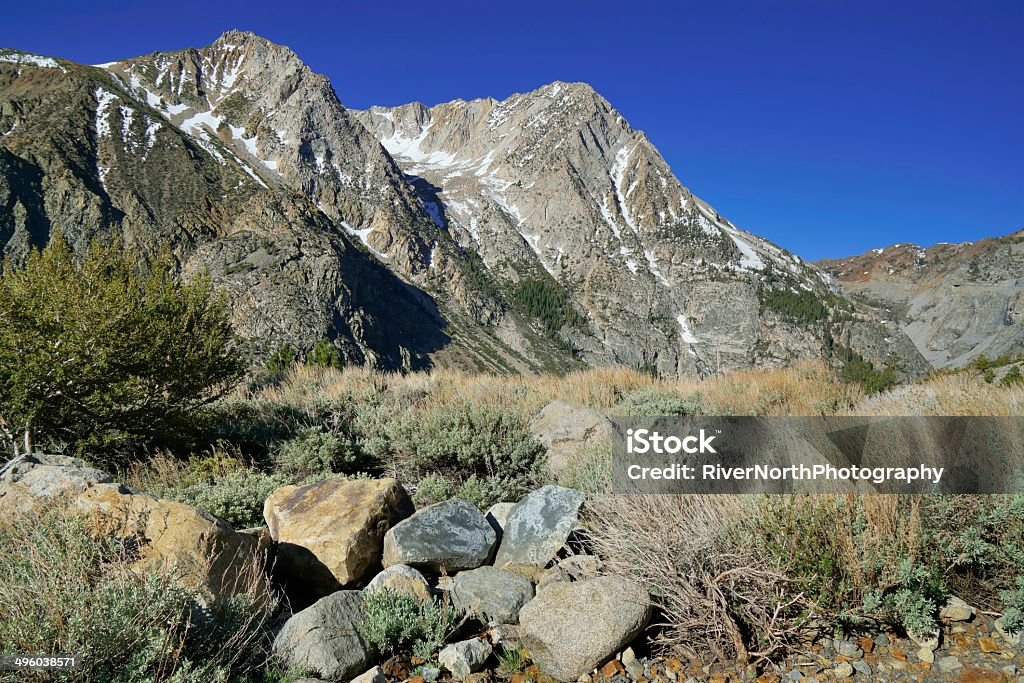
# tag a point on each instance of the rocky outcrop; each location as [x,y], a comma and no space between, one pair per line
[613,611]
[330,534]
[954,301]
[323,639]
[537,529]
[446,537]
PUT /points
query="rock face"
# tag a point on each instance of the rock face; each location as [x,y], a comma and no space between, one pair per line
[537,529]
[447,537]
[245,163]
[557,192]
[570,433]
[401,579]
[323,638]
[30,480]
[954,301]
[494,595]
[465,657]
[613,611]
[330,534]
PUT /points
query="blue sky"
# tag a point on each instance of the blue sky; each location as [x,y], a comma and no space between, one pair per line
[828,126]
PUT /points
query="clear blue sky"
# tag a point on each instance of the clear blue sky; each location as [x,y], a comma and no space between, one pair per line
[828,126]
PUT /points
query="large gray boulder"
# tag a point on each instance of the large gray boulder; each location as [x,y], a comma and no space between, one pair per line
[570,433]
[465,657]
[34,479]
[447,537]
[571,628]
[494,595]
[323,639]
[537,528]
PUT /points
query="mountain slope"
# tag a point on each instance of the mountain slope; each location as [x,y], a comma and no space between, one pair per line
[955,301]
[555,186]
[537,233]
[82,152]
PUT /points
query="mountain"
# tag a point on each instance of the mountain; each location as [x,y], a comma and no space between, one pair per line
[536,233]
[955,301]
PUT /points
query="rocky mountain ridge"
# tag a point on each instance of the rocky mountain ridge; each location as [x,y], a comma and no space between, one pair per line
[955,301]
[539,232]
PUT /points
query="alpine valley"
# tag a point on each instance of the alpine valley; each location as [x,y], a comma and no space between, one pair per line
[540,232]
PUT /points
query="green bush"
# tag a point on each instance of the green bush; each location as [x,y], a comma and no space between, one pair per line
[107,355]
[281,361]
[314,451]
[400,623]
[466,440]
[1012,377]
[431,489]
[236,496]
[860,371]
[325,355]
[1013,606]
[659,402]
[69,592]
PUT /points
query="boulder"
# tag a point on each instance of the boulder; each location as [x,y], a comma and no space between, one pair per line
[537,528]
[491,594]
[570,433]
[571,628]
[330,534]
[203,552]
[956,609]
[401,578]
[30,480]
[323,639]
[465,657]
[497,516]
[446,537]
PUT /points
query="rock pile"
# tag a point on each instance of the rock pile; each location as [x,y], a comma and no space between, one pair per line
[337,540]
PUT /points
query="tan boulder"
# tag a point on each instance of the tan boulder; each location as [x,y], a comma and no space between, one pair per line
[200,550]
[330,534]
[571,434]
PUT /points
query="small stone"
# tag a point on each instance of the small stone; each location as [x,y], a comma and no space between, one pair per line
[374,675]
[956,610]
[465,657]
[849,650]
[793,675]
[862,667]
[975,675]
[843,670]
[926,641]
[430,673]
[988,645]
[949,664]
[926,655]
[882,640]
[612,668]
[866,644]
[899,654]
